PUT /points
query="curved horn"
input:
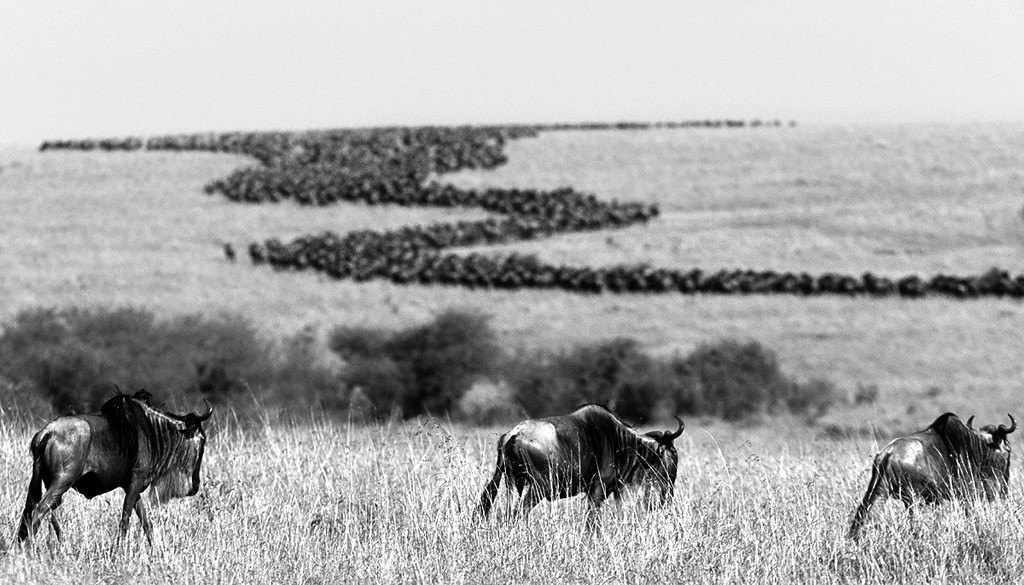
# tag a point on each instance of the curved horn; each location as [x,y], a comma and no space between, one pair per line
[999,435]
[669,437]
[1013,425]
[205,415]
[969,422]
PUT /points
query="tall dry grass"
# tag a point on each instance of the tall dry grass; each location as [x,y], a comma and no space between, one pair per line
[333,503]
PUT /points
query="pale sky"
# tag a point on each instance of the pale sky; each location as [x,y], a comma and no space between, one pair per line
[102,68]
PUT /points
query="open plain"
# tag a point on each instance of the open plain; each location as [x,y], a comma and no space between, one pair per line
[769,502]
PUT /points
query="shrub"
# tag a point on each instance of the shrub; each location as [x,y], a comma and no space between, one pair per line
[488,403]
[424,369]
[812,398]
[302,373]
[21,403]
[865,394]
[350,342]
[64,358]
[442,359]
[74,358]
[614,373]
[379,379]
[732,380]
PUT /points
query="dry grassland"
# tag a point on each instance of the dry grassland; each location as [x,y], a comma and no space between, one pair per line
[329,503]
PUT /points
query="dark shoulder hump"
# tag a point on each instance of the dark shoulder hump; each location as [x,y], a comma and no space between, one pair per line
[956,435]
[597,413]
[125,416]
[939,424]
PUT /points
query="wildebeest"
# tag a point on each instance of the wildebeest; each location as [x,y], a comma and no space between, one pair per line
[128,445]
[946,461]
[589,451]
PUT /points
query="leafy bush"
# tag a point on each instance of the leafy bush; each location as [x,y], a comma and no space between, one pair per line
[21,403]
[812,398]
[489,403]
[74,358]
[423,369]
[303,371]
[732,380]
[69,360]
[379,379]
[615,373]
[728,379]
[865,394]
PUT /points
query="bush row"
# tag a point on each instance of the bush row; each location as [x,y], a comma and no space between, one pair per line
[72,360]
[438,368]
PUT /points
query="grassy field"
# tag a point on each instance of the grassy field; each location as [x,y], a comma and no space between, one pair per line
[329,503]
[135,228]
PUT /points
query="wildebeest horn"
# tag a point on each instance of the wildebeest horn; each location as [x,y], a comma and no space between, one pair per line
[969,421]
[1013,426]
[205,415]
[669,437]
[999,435]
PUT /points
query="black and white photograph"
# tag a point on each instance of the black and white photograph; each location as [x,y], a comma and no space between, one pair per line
[528,292]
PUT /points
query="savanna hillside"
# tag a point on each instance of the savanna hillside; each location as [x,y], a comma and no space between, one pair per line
[102,229]
[327,502]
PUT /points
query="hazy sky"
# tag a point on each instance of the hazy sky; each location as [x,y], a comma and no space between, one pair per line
[102,68]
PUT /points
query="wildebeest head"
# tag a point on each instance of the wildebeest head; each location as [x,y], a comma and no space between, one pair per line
[998,456]
[661,465]
[182,475]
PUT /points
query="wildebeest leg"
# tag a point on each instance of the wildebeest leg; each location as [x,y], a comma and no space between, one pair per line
[530,497]
[140,511]
[55,523]
[35,494]
[47,504]
[876,488]
[483,509]
[131,497]
[596,497]
[907,497]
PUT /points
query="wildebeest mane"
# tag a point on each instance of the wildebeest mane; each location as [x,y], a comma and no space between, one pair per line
[627,444]
[961,441]
[133,421]
[606,423]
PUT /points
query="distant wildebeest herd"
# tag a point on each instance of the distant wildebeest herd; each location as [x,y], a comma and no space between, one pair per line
[398,165]
[129,444]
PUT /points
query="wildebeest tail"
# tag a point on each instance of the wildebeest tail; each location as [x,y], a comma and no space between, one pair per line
[878,471]
[35,485]
[491,489]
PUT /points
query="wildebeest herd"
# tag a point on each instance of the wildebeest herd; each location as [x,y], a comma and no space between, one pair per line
[398,166]
[131,445]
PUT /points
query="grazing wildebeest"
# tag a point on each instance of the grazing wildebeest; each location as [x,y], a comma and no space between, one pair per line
[946,461]
[128,445]
[229,252]
[589,451]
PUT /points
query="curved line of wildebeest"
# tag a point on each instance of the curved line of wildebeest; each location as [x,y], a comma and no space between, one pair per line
[132,445]
[399,165]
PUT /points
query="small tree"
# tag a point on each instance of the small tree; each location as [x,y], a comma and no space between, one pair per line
[737,379]
[442,359]
[422,369]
